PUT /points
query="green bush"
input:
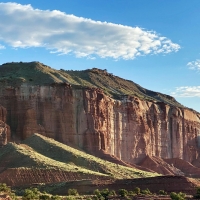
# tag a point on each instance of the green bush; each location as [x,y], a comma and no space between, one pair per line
[131,193]
[98,198]
[73,192]
[123,192]
[56,197]
[162,192]
[177,196]
[97,193]
[31,194]
[103,194]
[4,188]
[136,190]
[112,193]
[13,196]
[146,192]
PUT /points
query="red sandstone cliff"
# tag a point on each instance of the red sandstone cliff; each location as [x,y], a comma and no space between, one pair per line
[4,128]
[129,129]
[132,128]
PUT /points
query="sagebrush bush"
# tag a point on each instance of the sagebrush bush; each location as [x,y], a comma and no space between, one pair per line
[123,192]
[30,194]
[136,190]
[177,196]
[162,192]
[73,192]
[146,192]
[4,188]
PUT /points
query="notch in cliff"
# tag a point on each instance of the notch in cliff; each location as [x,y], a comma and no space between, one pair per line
[36,73]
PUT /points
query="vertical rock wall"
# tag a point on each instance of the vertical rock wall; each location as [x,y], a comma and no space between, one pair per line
[4,128]
[129,129]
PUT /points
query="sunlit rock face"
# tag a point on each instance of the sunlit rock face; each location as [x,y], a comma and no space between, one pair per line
[129,128]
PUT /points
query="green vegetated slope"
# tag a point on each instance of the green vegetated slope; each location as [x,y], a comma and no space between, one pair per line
[62,153]
[35,73]
[22,156]
[45,153]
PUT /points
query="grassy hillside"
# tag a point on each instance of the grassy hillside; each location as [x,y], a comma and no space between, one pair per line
[35,73]
[18,156]
[64,154]
[39,152]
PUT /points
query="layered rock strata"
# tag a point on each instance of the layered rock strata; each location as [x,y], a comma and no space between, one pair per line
[129,129]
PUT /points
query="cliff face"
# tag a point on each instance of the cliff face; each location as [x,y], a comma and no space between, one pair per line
[129,128]
[4,128]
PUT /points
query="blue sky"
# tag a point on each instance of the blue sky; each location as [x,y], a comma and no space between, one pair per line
[153,43]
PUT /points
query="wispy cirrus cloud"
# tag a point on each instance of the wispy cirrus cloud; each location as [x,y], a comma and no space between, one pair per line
[194,65]
[187,91]
[23,26]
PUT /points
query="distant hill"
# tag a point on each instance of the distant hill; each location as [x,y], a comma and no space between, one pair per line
[36,73]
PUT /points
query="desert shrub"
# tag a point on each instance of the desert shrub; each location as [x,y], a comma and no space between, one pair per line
[97,193]
[177,196]
[146,192]
[56,197]
[13,196]
[162,192]
[73,192]
[123,192]
[95,198]
[31,194]
[112,193]
[4,188]
[131,193]
[45,196]
[136,190]
[103,194]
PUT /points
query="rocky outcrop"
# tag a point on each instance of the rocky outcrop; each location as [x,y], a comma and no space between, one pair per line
[130,128]
[4,128]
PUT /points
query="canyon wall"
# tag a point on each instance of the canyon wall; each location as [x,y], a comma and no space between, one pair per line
[129,128]
[4,128]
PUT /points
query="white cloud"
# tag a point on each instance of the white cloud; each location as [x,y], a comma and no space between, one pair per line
[194,65]
[2,47]
[23,26]
[187,91]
